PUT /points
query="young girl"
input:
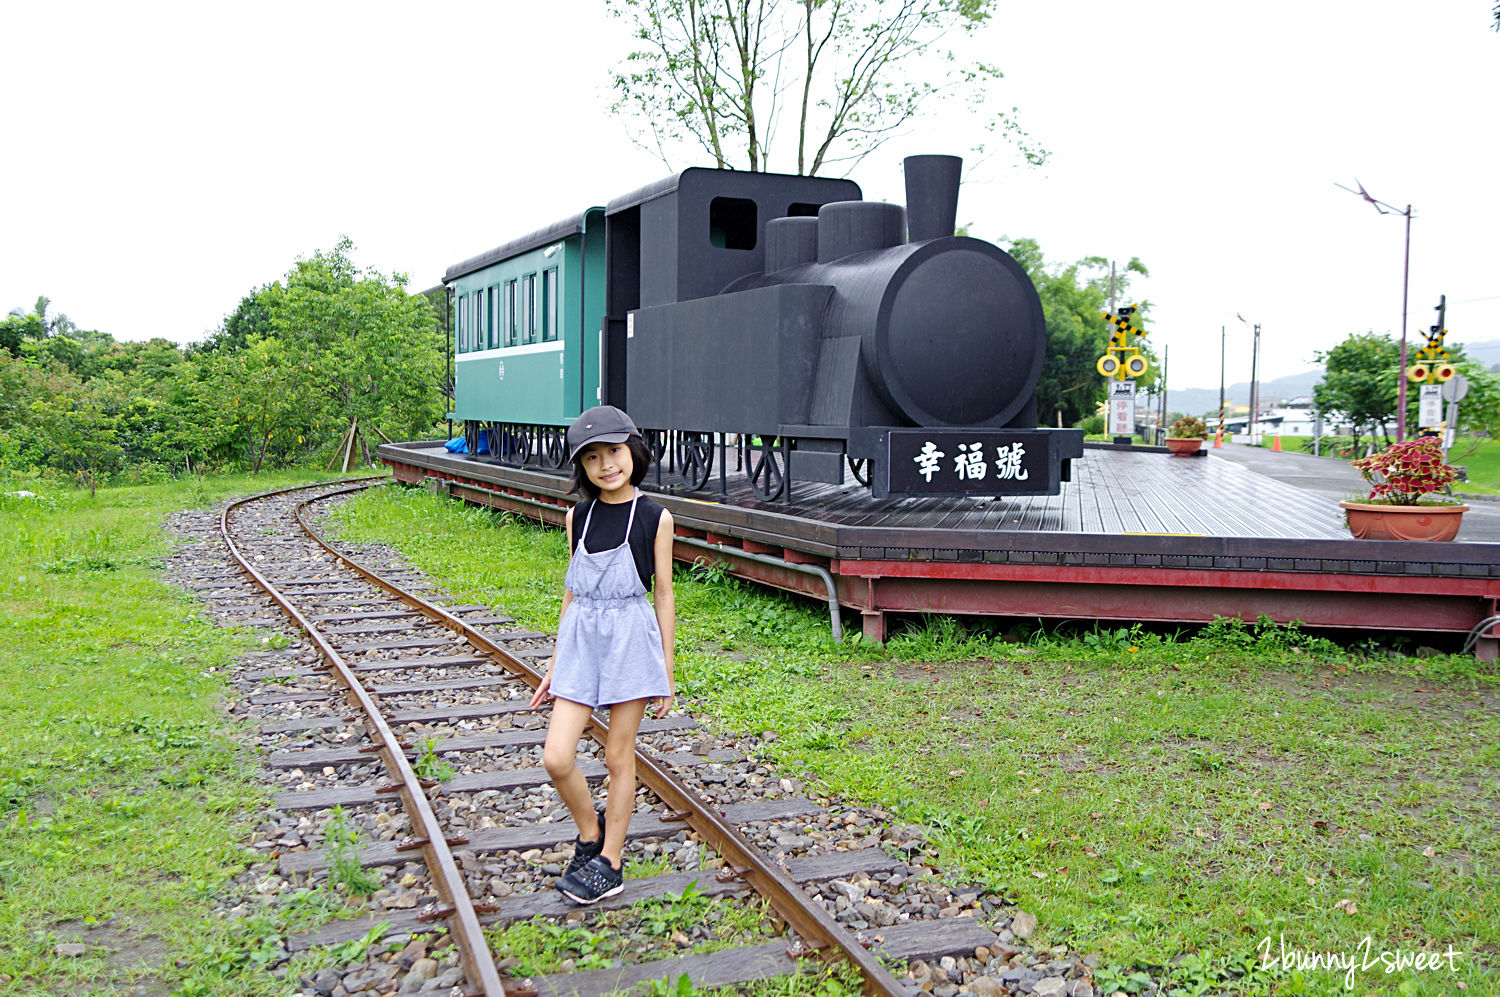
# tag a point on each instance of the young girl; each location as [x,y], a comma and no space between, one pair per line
[614,648]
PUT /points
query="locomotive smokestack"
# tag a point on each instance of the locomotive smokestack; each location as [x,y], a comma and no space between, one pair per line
[932,196]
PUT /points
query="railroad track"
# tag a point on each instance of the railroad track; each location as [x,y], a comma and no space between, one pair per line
[397,731]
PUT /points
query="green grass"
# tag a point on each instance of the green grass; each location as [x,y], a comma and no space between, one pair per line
[1166,800]
[121,793]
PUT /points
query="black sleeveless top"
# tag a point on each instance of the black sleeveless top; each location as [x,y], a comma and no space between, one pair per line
[607,531]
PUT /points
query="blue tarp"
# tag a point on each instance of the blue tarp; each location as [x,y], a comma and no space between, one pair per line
[459,445]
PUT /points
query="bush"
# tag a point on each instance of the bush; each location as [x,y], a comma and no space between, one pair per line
[1189,427]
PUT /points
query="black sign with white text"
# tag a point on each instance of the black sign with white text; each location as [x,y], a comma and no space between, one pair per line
[969,462]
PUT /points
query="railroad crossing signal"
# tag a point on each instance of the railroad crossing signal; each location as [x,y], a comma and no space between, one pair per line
[1121,360]
[1432,366]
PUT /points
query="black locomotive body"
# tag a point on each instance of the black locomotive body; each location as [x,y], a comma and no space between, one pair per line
[917,358]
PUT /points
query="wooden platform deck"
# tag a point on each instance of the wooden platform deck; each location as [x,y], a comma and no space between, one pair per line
[1115,492]
[1136,535]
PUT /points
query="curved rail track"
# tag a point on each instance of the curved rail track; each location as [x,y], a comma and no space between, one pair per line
[451,677]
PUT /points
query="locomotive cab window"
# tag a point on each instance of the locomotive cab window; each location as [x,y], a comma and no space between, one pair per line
[798,209]
[732,223]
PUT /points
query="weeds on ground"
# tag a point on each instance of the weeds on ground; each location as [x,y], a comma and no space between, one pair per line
[344,869]
[428,765]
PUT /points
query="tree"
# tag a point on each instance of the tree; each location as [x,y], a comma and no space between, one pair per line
[364,348]
[725,74]
[20,326]
[1359,383]
[73,420]
[250,317]
[1074,296]
[1479,411]
[17,328]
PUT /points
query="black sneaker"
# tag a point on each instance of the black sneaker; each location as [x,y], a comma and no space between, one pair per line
[583,851]
[595,881]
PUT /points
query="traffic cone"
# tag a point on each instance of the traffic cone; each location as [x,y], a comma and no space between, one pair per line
[1218,441]
[1276,444]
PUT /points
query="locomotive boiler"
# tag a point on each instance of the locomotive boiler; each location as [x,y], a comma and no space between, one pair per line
[820,331]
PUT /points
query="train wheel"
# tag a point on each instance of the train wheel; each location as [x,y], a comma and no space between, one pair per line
[695,456]
[860,468]
[763,466]
[553,447]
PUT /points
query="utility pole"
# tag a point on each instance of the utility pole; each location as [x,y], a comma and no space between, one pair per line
[1221,383]
[1254,380]
[1388,209]
[1161,417]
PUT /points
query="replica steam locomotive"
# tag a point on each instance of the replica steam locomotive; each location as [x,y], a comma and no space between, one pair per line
[814,329]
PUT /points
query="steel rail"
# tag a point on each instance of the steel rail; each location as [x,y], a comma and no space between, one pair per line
[811,921]
[479,962]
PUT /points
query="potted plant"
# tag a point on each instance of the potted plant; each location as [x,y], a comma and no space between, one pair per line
[1186,435]
[1402,477]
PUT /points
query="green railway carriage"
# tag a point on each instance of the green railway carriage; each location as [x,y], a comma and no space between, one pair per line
[526,338]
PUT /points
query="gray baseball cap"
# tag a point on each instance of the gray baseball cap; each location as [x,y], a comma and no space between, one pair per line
[600,424]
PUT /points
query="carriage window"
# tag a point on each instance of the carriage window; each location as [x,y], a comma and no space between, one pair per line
[510,313]
[493,295]
[463,323]
[528,322]
[481,318]
[549,306]
[731,223]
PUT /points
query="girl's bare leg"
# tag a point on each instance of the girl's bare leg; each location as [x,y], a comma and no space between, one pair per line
[619,758]
[560,759]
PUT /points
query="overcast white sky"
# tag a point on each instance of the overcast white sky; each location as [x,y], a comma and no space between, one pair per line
[161,160]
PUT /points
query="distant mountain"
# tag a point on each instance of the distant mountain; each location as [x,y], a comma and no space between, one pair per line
[1203,401]
[1486,352]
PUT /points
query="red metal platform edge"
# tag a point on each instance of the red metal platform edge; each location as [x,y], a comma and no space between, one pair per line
[1417,603]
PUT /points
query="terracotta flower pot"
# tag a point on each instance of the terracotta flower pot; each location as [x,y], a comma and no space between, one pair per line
[1373,521]
[1184,444]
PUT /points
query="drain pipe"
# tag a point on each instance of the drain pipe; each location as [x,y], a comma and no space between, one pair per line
[835,623]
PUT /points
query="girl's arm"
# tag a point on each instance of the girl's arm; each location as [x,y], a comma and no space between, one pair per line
[665,604]
[544,689]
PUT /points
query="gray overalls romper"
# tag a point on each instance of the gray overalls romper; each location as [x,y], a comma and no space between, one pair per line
[608,643]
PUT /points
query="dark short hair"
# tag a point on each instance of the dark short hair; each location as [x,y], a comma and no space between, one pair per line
[640,458]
